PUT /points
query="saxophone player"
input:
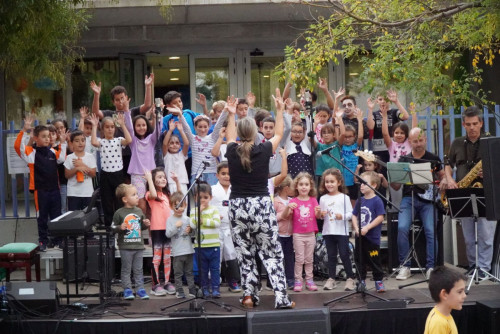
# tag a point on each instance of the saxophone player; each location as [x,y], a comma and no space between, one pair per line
[465,155]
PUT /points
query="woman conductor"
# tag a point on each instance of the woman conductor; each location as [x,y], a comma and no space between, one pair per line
[251,210]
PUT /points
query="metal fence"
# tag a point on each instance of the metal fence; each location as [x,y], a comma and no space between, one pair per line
[441,129]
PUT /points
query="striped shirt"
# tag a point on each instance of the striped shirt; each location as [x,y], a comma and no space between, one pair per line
[209,229]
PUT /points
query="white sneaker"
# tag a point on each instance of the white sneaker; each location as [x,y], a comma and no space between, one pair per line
[404,273]
[350,285]
[330,284]
[428,273]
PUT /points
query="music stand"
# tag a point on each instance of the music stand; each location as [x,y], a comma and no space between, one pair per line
[466,203]
[410,174]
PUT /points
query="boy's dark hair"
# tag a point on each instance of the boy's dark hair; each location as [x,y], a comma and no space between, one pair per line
[221,165]
[349,127]
[51,128]
[75,134]
[260,115]
[176,198]
[269,119]
[241,101]
[323,107]
[443,278]
[87,121]
[170,96]
[348,97]
[117,90]
[121,190]
[203,187]
[38,129]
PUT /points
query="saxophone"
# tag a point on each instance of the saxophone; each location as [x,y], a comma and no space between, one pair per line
[466,182]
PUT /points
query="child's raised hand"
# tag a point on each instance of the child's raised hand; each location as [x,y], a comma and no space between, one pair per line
[147,175]
[94,119]
[28,123]
[148,81]
[179,127]
[222,132]
[84,112]
[322,84]
[289,104]
[231,104]
[250,97]
[278,100]
[359,114]
[371,103]
[126,104]
[339,93]
[201,100]
[63,135]
[146,222]
[171,125]
[174,177]
[95,88]
[392,95]
[120,119]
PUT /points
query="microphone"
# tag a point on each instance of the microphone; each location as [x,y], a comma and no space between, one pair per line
[206,164]
[326,151]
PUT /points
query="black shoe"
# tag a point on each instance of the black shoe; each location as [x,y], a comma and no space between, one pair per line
[482,275]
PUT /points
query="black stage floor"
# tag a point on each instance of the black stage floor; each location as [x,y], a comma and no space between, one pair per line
[350,315]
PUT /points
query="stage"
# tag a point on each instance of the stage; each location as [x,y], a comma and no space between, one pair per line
[350,315]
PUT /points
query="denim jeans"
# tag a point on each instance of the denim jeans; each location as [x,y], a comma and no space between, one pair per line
[423,210]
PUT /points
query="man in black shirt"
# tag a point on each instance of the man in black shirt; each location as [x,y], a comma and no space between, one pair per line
[412,202]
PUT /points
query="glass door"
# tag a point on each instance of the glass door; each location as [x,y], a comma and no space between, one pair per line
[132,72]
[213,77]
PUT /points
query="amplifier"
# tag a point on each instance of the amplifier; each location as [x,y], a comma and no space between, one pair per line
[38,297]
[92,258]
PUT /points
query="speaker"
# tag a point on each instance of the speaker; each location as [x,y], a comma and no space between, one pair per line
[392,241]
[92,259]
[307,321]
[38,297]
[489,316]
[490,154]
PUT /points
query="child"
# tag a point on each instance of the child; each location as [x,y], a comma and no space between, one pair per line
[325,160]
[298,151]
[305,210]
[142,148]
[210,243]
[349,146]
[128,222]
[372,166]
[44,160]
[62,127]
[220,146]
[220,200]
[336,210]
[323,114]
[267,130]
[174,158]
[80,168]
[447,288]
[179,229]
[201,146]
[371,210]
[285,227]
[111,174]
[85,126]
[157,199]
[397,146]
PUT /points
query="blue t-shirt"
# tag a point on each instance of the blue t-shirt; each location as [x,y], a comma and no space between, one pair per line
[370,209]
[325,161]
[189,115]
[351,161]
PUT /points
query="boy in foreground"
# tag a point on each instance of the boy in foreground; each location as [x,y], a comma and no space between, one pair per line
[447,288]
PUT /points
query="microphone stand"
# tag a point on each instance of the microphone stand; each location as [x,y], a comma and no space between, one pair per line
[195,306]
[361,288]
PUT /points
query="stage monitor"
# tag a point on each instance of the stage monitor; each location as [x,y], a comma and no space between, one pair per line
[307,321]
[38,297]
[490,155]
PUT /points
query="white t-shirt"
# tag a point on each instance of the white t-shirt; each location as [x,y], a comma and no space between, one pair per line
[89,148]
[339,203]
[176,163]
[80,189]
[219,198]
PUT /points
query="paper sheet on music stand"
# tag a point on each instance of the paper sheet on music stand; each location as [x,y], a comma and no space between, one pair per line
[398,172]
[421,173]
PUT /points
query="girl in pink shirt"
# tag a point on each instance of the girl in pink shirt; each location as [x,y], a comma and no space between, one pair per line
[305,209]
[159,208]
